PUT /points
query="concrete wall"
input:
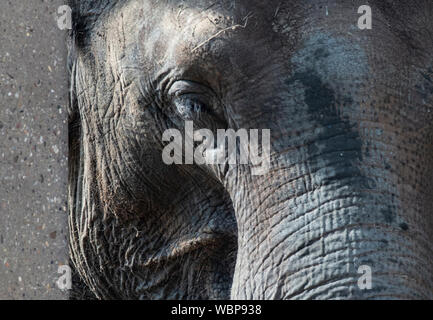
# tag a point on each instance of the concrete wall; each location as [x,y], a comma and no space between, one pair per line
[33,150]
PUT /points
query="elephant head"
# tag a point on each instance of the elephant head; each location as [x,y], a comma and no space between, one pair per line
[350,158]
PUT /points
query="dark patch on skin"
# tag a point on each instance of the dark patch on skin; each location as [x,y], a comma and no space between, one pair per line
[425,88]
[387,166]
[321,53]
[348,100]
[388,215]
[404,226]
[335,153]
[338,146]
[367,150]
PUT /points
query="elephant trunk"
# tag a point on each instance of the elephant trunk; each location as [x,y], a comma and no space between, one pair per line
[316,227]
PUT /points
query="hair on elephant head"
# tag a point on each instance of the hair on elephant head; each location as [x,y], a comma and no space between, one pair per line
[348,181]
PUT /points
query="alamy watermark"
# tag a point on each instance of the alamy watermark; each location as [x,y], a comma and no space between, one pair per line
[365,281]
[64,282]
[64,17]
[230,147]
[366,20]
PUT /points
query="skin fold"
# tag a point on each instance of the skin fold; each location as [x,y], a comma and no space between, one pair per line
[351,173]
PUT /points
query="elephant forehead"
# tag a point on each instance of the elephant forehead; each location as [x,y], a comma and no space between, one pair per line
[193,37]
[178,33]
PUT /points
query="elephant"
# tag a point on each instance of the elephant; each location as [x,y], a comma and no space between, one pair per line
[345,209]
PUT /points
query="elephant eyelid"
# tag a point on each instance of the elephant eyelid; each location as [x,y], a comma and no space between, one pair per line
[184,87]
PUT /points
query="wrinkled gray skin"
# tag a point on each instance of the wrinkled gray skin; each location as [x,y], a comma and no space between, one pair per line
[351,178]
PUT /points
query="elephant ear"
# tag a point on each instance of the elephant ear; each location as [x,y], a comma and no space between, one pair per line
[84,15]
[74,121]
[79,290]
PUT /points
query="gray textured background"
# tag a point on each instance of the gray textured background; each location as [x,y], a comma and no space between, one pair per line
[33,150]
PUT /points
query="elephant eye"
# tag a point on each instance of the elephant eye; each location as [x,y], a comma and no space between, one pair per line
[194,101]
[189,108]
[190,100]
